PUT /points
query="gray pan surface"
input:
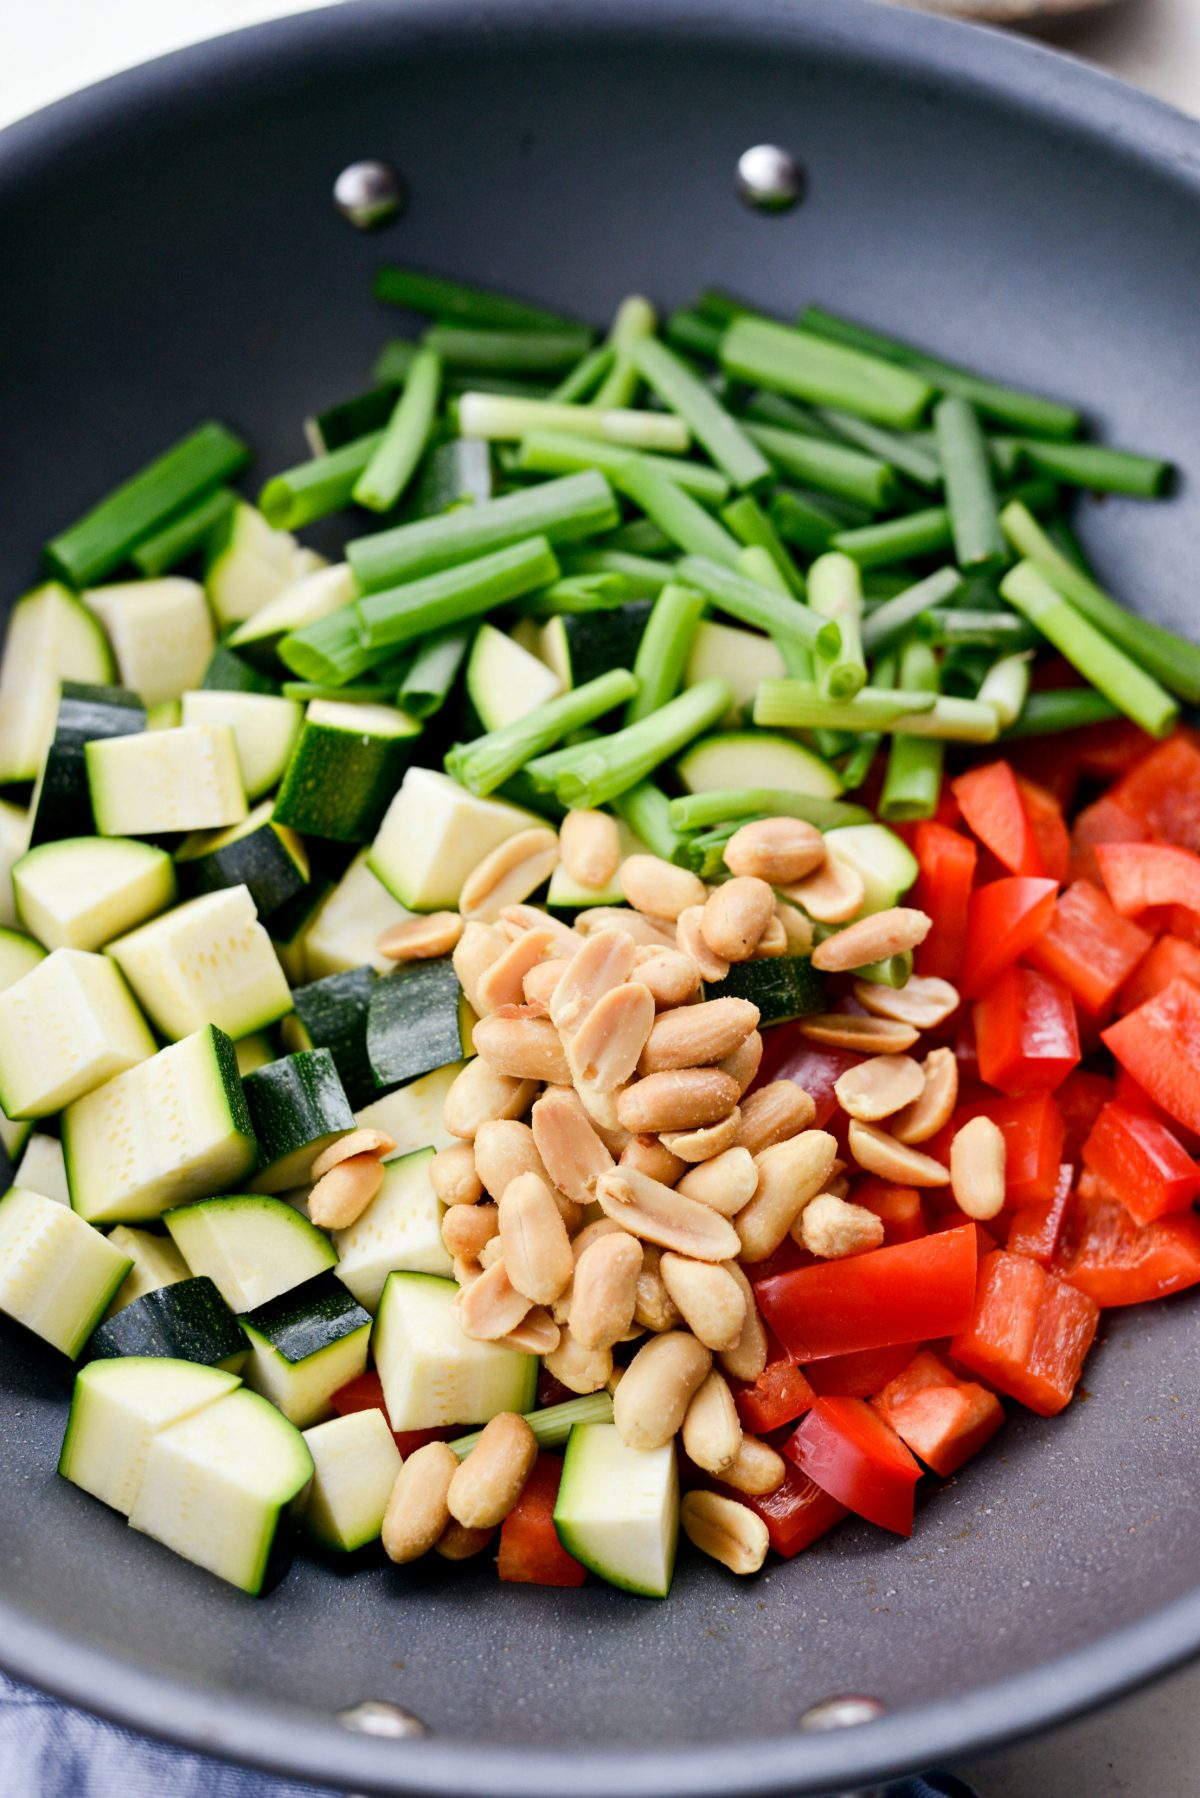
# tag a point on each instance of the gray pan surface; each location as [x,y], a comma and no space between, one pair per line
[167,252]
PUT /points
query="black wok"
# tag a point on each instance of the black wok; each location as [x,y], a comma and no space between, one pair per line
[168,250]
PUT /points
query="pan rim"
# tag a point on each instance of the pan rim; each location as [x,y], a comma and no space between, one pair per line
[1025,77]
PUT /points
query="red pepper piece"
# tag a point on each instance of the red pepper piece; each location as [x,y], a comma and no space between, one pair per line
[530,1551]
[1005,918]
[1081,1098]
[942,1419]
[797,1514]
[1103,822]
[1117,1262]
[1141,875]
[1159,1044]
[1089,946]
[1107,751]
[860,1374]
[1141,1163]
[815,1068]
[1035,1230]
[1171,958]
[1164,792]
[991,803]
[1025,1032]
[909,1293]
[898,1206]
[1030,1332]
[943,890]
[858,1459]
[778,1396]
[1049,827]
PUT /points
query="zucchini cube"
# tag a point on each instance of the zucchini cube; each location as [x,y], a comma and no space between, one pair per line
[66,1027]
[207,962]
[57,1274]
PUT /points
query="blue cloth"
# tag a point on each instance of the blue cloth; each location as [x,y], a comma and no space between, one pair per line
[50,1750]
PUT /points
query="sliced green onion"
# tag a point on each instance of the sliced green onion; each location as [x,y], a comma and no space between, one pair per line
[1171,659]
[562,452]
[693,334]
[594,773]
[926,533]
[442,297]
[1005,687]
[957,719]
[991,630]
[647,811]
[1067,708]
[675,512]
[643,577]
[554,1424]
[970,495]
[313,489]
[665,646]
[581,593]
[830,467]
[183,535]
[894,971]
[1095,466]
[799,362]
[582,381]
[508,352]
[486,763]
[913,779]
[802,706]
[964,667]
[752,527]
[1029,589]
[889,621]
[635,318]
[866,745]
[394,361]
[1008,405]
[357,417]
[696,811]
[405,436]
[750,602]
[641,537]
[404,614]
[503,420]
[719,432]
[427,683]
[835,592]
[903,450]
[802,521]
[100,540]
[330,652]
[578,505]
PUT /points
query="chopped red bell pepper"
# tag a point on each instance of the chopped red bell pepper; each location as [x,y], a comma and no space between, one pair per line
[1159,1044]
[909,1293]
[1089,946]
[1103,822]
[1030,1332]
[530,1551]
[991,803]
[947,863]
[1107,751]
[1114,1261]
[942,1419]
[778,1396]
[1171,958]
[1032,1129]
[860,1374]
[1025,1032]
[365,1393]
[1164,792]
[796,1514]
[1081,1098]
[1035,1230]
[1141,875]
[858,1459]
[898,1206]
[816,1068]
[1049,827]
[1141,1163]
[1005,918]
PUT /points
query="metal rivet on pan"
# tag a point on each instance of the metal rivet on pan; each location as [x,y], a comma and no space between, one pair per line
[842,1712]
[769,178]
[375,1717]
[368,194]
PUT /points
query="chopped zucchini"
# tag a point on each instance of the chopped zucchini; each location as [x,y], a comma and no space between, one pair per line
[156,1263]
[755,758]
[169,1130]
[18,954]
[14,840]
[229,672]
[291,925]
[886,864]
[332,1014]
[42,1169]
[264,726]
[57,1274]
[249,564]
[297,1108]
[164,716]
[252,1248]
[185,1320]
[417,1020]
[82,892]
[740,657]
[432,1373]
[66,1027]
[51,638]
[782,986]
[118,1407]
[353,918]
[578,646]
[618,1509]
[61,805]
[504,681]
[412,1115]
[161,632]
[166,780]
[253,1052]
[209,961]
[267,858]
[303,601]
[399,1232]
[434,834]
[346,766]
[304,1347]
[355,1463]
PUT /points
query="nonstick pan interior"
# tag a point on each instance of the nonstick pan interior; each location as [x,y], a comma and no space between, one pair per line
[168,251]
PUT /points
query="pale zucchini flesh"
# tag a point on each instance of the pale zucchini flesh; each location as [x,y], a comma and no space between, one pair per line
[432,1373]
[161,632]
[164,781]
[252,1248]
[68,1026]
[400,1231]
[116,1410]
[264,725]
[57,1274]
[155,1263]
[51,638]
[434,834]
[355,1463]
[618,1509]
[207,962]
[81,892]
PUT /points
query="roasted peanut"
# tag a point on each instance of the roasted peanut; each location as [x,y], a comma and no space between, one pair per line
[878,1153]
[774,1113]
[935,1106]
[879,1087]
[421,938]
[479,1094]
[672,977]
[504,1149]
[536,1334]
[355,1142]
[746,1360]
[503,983]
[735,917]
[689,937]
[344,1193]
[518,867]
[694,1036]
[605,1291]
[643,931]
[453,1176]
[872,939]
[679,1100]
[467,1229]
[832,1228]
[726,1183]
[573,1154]
[606,1046]
[866,1036]
[977,1167]
[477,948]
[417,1511]
[797,929]
[516,919]
[725,1530]
[489,1480]
[660,1215]
[773,942]
[923,1001]
[457,1543]
[832,893]
[590,846]
[580,1370]
[790,1174]
[652,1400]
[539,984]
[757,1470]
[491,1306]
[712,1433]
[745,1061]
[777,850]
[659,888]
[655,1309]
[710,1301]
[537,1250]
[706,1140]
[649,1155]
[518,1042]
[604,962]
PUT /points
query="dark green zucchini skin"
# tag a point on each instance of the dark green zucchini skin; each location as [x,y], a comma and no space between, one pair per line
[85,714]
[334,1013]
[310,1318]
[339,784]
[229,672]
[295,1101]
[599,641]
[783,987]
[260,861]
[188,1321]
[413,1021]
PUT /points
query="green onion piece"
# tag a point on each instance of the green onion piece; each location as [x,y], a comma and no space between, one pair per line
[508,352]
[330,652]
[721,307]
[693,334]
[367,693]
[696,811]
[403,614]
[889,621]
[1008,405]
[704,854]
[752,527]
[503,420]
[775,409]
[1068,708]
[914,769]
[635,318]
[644,578]
[313,489]
[926,533]
[829,467]
[1029,589]
[442,297]
[1005,687]
[1063,537]
[750,602]
[903,450]
[405,436]
[802,521]
[580,593]
[675,512]
[562,452]
[957,719]
[991,630]
[1097,467]
[647,811]
[486,763]
[357,417]
[426,686]
[1171,659]
[835,592]
[894,971]
[641,537]
[964,668]
[970,495]
[594,773]
[100,540]
[183,535]
[802,706]
[799,362]
[578,505]
[721,435]
[663,651]
[582,381]
[757,565]
[394,361]
[554,1424]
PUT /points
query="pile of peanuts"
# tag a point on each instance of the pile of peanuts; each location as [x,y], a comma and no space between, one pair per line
[611,1179]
